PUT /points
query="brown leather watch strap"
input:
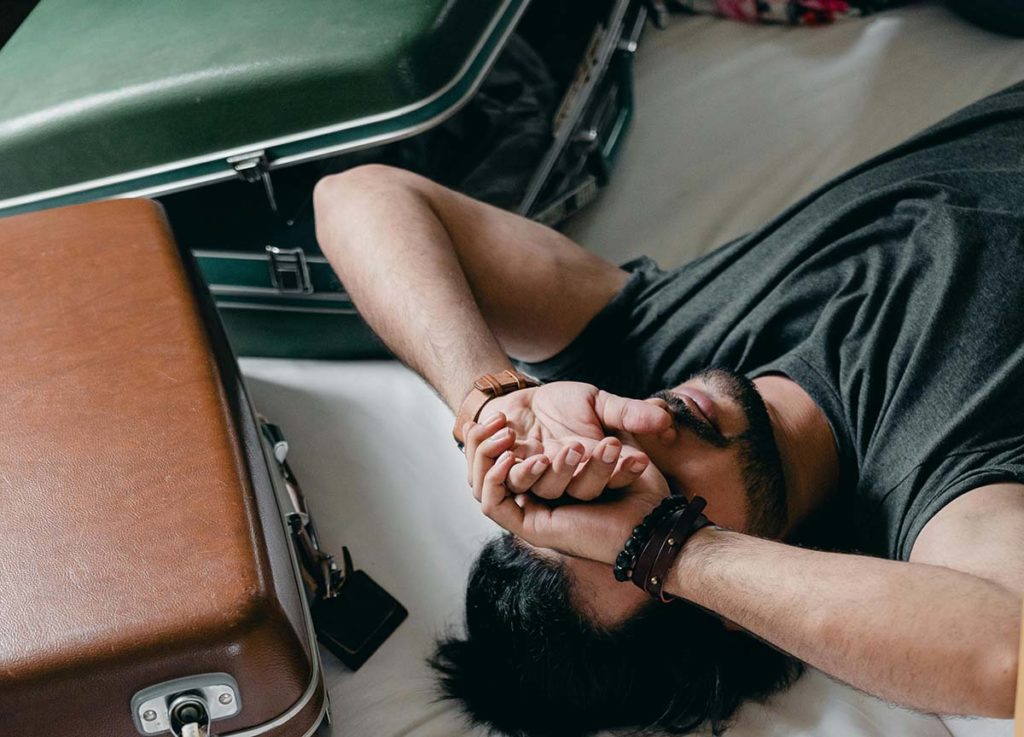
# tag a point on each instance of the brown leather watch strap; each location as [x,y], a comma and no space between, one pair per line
[486,388]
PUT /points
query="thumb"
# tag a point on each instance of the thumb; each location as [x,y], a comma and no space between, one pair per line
[631,415]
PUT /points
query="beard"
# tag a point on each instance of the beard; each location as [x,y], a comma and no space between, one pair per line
[760,463]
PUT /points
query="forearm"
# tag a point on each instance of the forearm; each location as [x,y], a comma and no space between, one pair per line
[923,636]
[399,264]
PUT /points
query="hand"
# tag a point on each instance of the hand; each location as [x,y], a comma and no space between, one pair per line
[595,530]
[566,424]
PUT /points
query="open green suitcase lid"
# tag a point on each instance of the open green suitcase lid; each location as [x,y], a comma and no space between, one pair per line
[106,98]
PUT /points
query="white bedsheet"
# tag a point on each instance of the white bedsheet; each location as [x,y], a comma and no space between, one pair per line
[371,444]
[733,124]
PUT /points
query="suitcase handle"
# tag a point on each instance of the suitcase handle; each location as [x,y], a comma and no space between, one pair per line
[186,706]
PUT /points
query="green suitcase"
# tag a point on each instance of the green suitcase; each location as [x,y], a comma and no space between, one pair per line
[225,112]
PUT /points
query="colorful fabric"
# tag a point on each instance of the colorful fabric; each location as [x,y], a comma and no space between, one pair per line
[791,12]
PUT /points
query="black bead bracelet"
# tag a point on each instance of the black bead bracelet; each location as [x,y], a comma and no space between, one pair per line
[626,559]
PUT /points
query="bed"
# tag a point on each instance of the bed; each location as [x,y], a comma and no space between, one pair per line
[734,123]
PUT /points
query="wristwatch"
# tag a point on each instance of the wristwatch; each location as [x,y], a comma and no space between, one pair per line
[486,388]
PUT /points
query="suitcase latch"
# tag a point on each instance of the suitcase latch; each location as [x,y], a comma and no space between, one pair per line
[289,271]
[255,167]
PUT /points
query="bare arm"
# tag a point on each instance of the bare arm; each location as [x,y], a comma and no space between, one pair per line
[399,264]
[453,285]
[920,635]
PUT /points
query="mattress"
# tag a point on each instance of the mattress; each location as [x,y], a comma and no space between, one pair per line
[733,123]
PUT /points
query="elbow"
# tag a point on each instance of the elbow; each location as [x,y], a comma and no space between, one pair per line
[347,191]
[1006,672]
[994,689]
[344,203]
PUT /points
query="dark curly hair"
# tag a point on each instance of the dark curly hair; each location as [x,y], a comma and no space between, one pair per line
[531,665]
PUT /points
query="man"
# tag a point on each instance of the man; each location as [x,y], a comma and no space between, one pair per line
[848,378]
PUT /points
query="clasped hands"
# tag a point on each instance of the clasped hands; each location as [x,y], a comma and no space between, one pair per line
[544,466]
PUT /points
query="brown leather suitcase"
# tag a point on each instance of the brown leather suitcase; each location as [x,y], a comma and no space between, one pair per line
[146,568]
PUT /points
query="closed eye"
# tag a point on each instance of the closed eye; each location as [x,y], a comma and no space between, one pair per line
[683,417]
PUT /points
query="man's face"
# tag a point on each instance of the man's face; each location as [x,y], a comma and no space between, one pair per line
[724,451]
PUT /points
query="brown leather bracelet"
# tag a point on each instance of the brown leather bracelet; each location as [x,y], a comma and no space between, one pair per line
[664,547]
[681,532]
[644,567]
[486,388]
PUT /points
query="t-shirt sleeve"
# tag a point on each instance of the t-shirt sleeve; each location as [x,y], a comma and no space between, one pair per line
[625,347]
[976,472]
[598,354]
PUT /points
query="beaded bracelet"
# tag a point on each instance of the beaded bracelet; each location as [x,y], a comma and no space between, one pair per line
[625,560]
[657,541]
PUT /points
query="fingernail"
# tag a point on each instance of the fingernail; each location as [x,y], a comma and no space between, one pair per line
[505,456]
[492,419]
[539,465]
[500,435]
[573,457]
[610,453]
[636,465]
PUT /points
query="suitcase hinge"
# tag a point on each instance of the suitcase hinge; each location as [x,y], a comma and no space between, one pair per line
[352,614]
[318,565]
[289,271]
[255,167]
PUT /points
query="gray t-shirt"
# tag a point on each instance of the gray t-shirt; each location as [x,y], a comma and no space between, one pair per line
[894,296]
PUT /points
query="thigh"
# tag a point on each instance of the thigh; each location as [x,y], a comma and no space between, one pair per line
[536,288]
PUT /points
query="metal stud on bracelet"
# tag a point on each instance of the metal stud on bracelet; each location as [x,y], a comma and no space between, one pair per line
[665,545]
[626,560]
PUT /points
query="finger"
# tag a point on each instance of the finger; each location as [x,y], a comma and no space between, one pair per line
[593,477]
[476,433]
[553,482]
[495,500]
[669,435]
[595,531]
[524,475]
[631,415]
[630,467]
[651,484]
[487,451]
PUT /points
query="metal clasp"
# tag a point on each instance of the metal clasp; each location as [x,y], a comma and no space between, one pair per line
[255,167]
[289,271]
